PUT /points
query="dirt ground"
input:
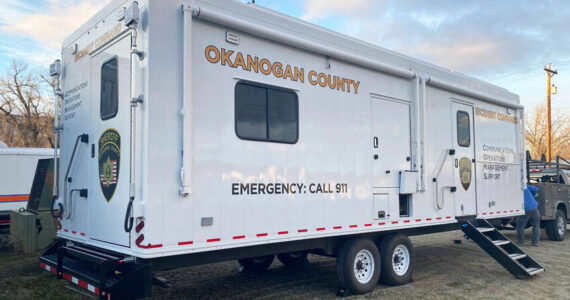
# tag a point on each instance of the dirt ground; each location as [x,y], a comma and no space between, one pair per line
[443,270]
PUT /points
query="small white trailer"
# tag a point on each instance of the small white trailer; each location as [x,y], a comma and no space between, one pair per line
[200,131]
[17,169]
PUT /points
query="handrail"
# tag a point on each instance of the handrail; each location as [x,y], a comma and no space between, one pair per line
[84,138]
[435,179]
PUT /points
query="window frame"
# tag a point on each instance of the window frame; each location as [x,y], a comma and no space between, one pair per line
[457,127]
[267,87]
[109,117]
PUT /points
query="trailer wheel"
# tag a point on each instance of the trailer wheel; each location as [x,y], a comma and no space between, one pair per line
[257,264]
[358,265]
[556,229]
[293,258]
[397,255]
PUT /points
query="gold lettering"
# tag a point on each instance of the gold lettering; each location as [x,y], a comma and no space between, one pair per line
[239,61]
[288,73]
[356,84]
[277,69]
[322,82]
[253,63]
[339,83]
[348,83]
[267,70]
[300,75]
[226,57]
[311,78]
[216,57]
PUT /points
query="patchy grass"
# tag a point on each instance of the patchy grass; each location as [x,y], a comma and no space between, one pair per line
[442,270]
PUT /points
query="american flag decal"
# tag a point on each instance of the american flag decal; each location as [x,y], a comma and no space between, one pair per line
[109,175]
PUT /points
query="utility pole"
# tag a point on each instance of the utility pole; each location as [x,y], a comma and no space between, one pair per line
[549,74]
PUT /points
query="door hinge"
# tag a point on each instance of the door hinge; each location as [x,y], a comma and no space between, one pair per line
[136,101]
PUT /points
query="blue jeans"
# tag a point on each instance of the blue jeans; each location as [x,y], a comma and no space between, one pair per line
[533,217]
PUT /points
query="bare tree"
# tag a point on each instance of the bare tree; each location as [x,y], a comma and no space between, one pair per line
[536,132]
[26,108]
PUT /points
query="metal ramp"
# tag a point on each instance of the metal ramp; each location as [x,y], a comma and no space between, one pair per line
[499,247]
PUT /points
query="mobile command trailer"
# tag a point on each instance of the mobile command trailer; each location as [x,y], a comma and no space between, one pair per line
[199,131]
[17,169]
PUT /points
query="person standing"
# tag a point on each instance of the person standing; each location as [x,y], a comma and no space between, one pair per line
[531,214]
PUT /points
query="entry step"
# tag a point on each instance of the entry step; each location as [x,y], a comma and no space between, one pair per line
[485,229]
[500,242]
[517,256]
[534,271]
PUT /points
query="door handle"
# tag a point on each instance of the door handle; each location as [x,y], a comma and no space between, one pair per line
[375,142]
[456,163]
[92,150]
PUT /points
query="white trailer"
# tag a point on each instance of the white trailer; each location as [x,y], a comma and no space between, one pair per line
[17,169]
[200,131]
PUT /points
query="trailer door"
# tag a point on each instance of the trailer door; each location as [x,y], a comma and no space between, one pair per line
[465,195]
[390,141]
[110,147]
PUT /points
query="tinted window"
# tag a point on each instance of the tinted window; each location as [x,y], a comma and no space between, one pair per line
[463,130]
[266,114]
[109,89]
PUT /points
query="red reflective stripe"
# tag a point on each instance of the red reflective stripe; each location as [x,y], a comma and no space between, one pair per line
[484,213]
[418,220]
[4,221]
[150,246]
[353,226]
[428,219]
[67,277]
[320,228]
[66,230]
[394,222]
[237,237]
[83,234]
[283,232]
[185,243]
[74,232]
[439,218]
[82,284]
[302,230]
[511,210]
[505,212]
[261,234]
[337,227]
[407,221]
[42,265]
[367,225]
[381,223]
[448,217]
[213,240]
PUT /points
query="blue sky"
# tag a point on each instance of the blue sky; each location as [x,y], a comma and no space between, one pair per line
[503,42]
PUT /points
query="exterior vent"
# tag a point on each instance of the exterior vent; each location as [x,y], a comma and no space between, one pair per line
[232,38]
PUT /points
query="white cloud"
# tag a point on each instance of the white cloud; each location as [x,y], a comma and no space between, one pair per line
[319,9]
[47,25]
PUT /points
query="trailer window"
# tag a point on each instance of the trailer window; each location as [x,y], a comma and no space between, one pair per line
[265,113]
[463,129]
[109,89]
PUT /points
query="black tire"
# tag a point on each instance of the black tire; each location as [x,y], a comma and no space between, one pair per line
[396,272]
[556,229]
[257,264]
[358,252]
[292,259]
